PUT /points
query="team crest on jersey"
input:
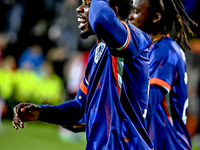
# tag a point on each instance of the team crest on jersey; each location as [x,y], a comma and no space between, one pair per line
[99,51]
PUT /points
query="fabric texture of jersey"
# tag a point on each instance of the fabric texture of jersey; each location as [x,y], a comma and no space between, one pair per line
[167,116]
[113,96]
[111,107]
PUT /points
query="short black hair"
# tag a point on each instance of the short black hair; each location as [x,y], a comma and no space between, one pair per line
[124,7]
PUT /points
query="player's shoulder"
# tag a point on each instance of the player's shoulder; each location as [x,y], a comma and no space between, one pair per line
[166,46]
[173,48]
[165,50]
[139,32]
[142,39]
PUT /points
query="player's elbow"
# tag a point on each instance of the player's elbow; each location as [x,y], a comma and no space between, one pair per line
[98,18]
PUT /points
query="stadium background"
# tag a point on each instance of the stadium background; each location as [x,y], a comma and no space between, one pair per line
[42,59]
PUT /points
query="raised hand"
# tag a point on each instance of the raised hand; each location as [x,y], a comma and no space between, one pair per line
[25,112]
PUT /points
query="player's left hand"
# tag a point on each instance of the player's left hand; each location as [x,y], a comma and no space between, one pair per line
[25,112]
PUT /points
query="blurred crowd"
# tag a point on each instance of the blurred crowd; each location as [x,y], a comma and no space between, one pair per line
[42,57]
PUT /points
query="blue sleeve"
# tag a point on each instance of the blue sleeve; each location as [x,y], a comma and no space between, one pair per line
[115,33]
[156,95]
[66,114]
[163,62]
[106,25]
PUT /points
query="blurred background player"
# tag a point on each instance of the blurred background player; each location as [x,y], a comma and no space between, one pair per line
[168,101]
[113,96]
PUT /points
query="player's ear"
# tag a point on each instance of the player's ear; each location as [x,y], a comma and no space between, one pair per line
[157,17]
[115,8]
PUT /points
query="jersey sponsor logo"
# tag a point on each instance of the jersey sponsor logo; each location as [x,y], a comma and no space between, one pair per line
[99,51]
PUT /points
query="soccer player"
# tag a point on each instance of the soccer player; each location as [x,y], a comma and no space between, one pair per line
[168,102]
[113,96]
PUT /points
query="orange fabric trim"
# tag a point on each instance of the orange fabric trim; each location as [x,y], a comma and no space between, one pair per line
[129,35]
[83,88]
[98,42]
[159,82]
[115,69]
[151,46]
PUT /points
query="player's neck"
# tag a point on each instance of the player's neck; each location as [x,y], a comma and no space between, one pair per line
[157,37]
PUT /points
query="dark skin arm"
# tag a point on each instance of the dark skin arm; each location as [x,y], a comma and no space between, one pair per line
[25,112]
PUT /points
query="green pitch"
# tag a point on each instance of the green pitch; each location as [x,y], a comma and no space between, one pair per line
[41,136]
[37,136]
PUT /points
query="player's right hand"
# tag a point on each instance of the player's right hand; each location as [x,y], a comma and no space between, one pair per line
[24,112]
